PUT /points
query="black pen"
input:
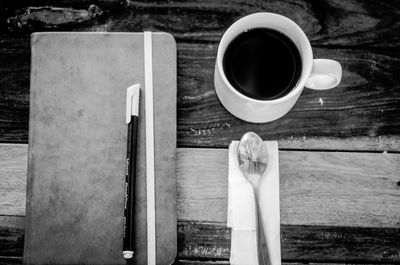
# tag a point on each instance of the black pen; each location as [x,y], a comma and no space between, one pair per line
[132,115]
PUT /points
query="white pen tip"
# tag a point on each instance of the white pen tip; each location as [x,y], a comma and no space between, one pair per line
[127,254]
[132,101]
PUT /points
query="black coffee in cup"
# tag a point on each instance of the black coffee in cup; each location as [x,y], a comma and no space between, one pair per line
[262,63]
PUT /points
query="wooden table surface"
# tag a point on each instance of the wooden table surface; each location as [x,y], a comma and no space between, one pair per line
[339,149]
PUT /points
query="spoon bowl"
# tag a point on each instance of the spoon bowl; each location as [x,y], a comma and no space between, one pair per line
[252,157]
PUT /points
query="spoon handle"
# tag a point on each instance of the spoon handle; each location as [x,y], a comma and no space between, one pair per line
[262,250]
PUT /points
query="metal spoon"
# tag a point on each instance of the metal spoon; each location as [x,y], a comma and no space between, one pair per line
[253,160]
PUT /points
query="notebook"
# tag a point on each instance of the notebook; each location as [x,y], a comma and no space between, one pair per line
[77,147]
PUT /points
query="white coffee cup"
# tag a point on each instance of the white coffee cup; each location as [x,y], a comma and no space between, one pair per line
[318,74]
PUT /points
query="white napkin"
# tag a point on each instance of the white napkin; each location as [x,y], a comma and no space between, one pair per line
[241,210]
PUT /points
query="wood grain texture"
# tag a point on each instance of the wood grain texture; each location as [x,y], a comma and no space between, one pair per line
[11,236]
[226,262]
[344,23]
[10,260]
[366,103]
[361,114]
[316,188]
[200,262]
[52,17]
[199,242]
[13,166]
[320,188]
[14,88]
[299,243]
[363,143]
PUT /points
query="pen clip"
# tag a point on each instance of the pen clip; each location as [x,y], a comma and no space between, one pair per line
[132,102]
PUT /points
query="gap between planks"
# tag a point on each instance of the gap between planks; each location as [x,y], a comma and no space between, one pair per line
[316,188]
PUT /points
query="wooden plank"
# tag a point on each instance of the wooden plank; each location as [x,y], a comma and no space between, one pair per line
[316,188]
[199,262]
[361,114]
[13,261]
[10,260]
[226,262]
[345,23]
[14,92]
[207,241]
[363,108]
[321,188]
[11,236]
[298,243]
[13,166]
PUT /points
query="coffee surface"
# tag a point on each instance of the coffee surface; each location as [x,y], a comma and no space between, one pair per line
[262,63]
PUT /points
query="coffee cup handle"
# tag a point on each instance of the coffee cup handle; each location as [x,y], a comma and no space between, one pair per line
[326,74]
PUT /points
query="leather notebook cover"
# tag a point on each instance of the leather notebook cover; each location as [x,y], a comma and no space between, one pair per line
[77,147]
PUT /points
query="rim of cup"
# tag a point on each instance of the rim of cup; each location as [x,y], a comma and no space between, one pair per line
[305,72]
